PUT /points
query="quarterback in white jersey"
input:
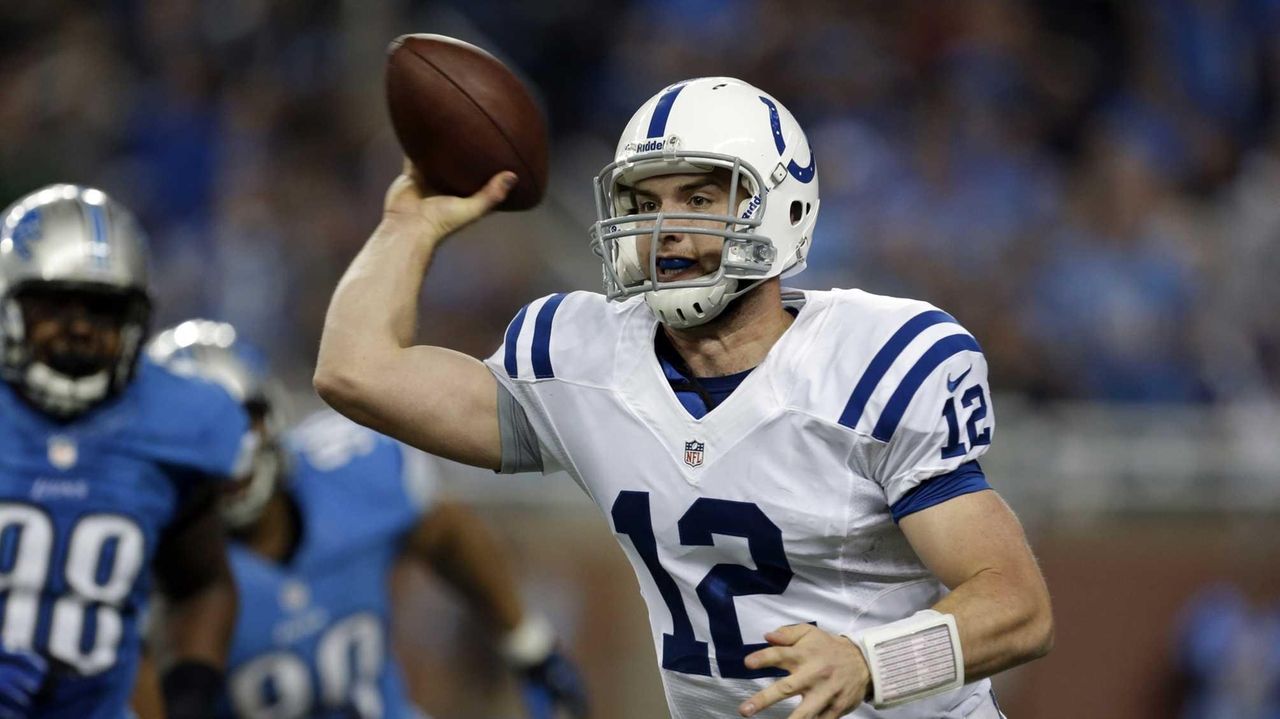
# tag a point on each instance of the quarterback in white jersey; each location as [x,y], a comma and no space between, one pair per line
[793,476]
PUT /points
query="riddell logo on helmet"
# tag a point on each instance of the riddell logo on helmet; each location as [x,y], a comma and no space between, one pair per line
[752,206]
[646,146]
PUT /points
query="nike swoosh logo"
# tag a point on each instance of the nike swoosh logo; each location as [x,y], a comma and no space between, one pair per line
[952,384]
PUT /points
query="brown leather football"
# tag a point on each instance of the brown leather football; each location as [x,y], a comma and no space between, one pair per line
[462,116]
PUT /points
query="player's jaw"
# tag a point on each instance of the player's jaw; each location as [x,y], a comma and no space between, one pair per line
[77,334]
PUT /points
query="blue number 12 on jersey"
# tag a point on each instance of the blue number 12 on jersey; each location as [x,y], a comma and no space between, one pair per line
[681,651]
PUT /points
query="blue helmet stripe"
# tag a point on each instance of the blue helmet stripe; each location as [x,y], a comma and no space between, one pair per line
[803,174]
[937,354]
[884,359]
[776,123]
[542,338]
[661,111]
[509,343]
[98,245]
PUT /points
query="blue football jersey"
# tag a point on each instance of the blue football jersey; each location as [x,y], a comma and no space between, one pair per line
[82,507]
[312,636]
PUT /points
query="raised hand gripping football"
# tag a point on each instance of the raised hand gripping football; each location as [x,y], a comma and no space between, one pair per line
[408,198]
[827,671]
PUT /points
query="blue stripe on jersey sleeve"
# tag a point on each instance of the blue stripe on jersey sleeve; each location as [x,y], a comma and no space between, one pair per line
[884,359]
[542,338]
[928,362]
[965,479]
[513,336]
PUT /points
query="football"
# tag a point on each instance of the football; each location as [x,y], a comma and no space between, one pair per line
[461,116]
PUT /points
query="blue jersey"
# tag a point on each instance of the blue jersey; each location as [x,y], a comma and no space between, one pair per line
[83,506]
[312,636]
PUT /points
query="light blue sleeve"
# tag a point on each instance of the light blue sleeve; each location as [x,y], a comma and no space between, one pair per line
[229,443]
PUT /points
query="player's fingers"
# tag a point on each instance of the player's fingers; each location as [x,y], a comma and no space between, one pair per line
[449,214]
[478,205]
[788,635]
[784,657]
[498,187]
[787,686]
[815,705]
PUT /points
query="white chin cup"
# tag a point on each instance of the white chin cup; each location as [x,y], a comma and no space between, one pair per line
[245,507]
[683,307]
[63,395]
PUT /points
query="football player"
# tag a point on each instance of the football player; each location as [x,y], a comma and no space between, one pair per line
[106,462]
[319,522]
[793,475]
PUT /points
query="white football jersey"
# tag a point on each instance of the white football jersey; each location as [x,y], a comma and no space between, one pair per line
[774,508]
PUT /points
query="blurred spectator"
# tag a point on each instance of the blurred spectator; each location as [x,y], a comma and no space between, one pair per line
[1228,658]
[1089,186]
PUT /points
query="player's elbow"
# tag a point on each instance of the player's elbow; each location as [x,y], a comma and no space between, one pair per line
[1039,630]
[340,388]
[1038,639]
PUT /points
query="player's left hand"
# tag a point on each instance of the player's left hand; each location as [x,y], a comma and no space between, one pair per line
[553,688]
[826,670]
[21,675]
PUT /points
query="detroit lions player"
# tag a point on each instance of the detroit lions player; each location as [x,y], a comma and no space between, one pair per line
[320,520]
[793,476]
[105,462]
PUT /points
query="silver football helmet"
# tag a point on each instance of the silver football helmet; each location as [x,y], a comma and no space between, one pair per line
[213,351]
[72,239]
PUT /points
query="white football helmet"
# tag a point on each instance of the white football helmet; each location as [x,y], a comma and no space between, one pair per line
[696,126]
[213,351]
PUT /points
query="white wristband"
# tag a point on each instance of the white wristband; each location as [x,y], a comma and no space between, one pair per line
[912,658]
[529,643]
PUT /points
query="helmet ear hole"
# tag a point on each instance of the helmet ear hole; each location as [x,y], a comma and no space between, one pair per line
[798,211]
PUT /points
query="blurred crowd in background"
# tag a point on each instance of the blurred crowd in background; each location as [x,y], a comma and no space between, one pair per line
[1092,187]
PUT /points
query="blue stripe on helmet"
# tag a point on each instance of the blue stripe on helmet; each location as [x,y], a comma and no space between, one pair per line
[803,174]
[98,229]
[542,338]
[884,359]
[776,123]
[928,362]
[509,343]
[661,111]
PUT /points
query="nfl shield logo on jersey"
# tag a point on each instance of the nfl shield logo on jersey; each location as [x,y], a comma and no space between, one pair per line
[693,453]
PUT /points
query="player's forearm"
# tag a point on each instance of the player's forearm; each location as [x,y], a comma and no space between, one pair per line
[467,555]
[198,628]
[1004,620]
[374,310]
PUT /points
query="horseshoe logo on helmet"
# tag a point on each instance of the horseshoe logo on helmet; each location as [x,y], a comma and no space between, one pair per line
[803,174]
